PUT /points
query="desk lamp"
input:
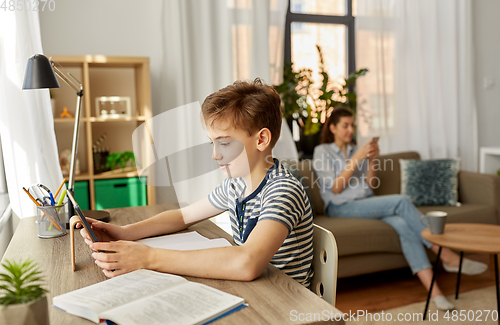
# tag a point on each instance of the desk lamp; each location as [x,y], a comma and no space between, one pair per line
[41,73]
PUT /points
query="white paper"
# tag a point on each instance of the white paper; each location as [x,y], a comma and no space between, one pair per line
[184,242]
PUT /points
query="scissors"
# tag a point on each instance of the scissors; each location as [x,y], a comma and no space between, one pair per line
[42,194]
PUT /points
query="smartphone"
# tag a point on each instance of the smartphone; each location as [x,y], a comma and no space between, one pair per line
[85,224]
[375,139]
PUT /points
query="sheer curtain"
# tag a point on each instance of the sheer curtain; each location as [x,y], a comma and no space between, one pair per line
[419,92]
[26,125]
[3,181]
[208,45]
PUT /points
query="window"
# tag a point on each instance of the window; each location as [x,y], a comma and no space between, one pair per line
[327,23]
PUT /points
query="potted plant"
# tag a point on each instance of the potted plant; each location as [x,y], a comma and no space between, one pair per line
[310,106]
[120,158]
[24,300]
[294,92]
[329,99]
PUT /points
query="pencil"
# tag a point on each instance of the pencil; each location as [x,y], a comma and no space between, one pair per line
[31,197]
[64,181]
[44,212]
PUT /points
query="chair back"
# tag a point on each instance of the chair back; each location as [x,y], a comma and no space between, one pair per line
[325,262]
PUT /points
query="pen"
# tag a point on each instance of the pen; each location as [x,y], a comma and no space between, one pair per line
[52,201]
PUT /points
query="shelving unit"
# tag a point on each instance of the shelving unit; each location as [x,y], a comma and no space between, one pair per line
[103,76]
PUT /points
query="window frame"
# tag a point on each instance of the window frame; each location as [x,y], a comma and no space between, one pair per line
[347,20]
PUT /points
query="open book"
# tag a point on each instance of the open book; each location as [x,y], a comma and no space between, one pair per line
[148,297]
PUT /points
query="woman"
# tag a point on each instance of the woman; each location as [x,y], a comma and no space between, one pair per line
[346,176]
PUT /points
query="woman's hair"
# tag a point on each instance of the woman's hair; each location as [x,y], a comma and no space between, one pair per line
[326,135]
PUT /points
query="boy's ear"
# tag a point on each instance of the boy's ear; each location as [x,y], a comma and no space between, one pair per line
[263,139]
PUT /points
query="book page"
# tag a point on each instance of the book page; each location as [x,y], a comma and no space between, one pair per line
[189,303]
[116,291]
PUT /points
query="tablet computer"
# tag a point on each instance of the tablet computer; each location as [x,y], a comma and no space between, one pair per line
[85,224]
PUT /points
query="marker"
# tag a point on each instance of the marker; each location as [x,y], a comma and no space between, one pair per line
[61,199]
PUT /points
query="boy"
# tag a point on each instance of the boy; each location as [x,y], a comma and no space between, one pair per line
[270,213]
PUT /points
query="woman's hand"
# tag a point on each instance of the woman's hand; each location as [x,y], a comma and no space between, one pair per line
[105,232]
[121,257]
[364,151]
[374,151]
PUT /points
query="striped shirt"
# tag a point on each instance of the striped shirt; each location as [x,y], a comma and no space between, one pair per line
[279,197]
[329,162]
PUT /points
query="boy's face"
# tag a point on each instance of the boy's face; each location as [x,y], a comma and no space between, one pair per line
[232,149]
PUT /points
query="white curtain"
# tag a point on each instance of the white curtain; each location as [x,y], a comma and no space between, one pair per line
[419,92]
[26,125]
[208,45]
[3,181]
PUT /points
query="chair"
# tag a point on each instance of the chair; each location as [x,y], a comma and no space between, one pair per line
[325,262]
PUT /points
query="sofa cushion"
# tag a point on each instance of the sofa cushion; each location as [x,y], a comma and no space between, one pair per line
[309,181]
[430,182]
[360,236]
[389,172]
[468,213]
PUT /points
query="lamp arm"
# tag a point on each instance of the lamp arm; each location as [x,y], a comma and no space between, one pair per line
[77,87]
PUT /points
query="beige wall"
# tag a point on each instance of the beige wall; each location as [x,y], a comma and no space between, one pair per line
[486,26]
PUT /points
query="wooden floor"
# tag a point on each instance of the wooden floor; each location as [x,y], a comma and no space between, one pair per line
[391,289]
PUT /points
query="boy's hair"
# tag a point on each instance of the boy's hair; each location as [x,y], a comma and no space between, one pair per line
[250,106]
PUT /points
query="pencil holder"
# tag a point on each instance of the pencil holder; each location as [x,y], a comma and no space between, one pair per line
[50,222]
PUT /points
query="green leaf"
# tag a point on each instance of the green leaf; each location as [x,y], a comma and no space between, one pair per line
[20,283]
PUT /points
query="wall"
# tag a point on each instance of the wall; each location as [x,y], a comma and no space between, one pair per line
[487,65]
[112,27]
[132,28]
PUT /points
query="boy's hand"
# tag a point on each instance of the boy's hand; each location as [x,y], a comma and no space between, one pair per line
[121,257]
[105,232]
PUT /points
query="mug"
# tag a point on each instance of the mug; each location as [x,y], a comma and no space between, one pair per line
[435,220]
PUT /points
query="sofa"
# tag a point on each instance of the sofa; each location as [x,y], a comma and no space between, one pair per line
[367,246]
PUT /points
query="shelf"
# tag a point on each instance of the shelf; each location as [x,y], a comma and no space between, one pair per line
[81,177]
[118,173]
[103,76]
[121,119]
[95,119]
[68,120]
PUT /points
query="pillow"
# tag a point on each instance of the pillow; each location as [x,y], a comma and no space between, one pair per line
[295,173]
[430,182]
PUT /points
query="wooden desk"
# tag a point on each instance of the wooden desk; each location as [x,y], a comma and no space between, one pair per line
[272,297]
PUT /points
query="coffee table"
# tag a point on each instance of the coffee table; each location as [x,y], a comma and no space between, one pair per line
[466,237]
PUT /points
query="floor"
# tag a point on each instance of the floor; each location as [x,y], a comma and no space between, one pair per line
[391,289]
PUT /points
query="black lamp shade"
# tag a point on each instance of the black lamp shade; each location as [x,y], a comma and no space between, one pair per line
[39,73]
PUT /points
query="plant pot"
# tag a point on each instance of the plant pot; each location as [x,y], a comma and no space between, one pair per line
[307,144]
[32,313]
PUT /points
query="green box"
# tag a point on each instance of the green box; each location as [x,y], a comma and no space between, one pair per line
[82,194]
[120,193]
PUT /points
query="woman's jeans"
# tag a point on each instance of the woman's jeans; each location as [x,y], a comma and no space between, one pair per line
[400,214]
